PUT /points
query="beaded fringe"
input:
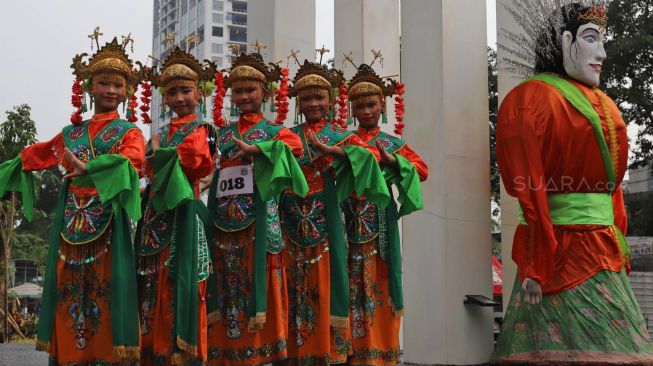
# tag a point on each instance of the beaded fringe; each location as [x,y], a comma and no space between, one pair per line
[127,353]
[87,252]
[339,321]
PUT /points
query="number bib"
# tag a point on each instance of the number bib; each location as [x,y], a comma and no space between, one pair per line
[235,180]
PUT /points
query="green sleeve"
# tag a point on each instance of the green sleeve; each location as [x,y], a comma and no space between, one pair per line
[116,180]
[14,179]
[276,169]
[360,173]
[170,185]
[406,179]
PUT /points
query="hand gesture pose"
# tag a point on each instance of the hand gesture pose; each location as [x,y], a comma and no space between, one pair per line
[78,165]
[322,150]
[156,142]
[245,150]
[386,158]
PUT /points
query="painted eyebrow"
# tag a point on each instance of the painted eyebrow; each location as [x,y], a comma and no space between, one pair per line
[591,30]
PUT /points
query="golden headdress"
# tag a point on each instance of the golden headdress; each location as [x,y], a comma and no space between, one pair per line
[252,67]
[312,76]
[111,59]
[366,82]
[181,68]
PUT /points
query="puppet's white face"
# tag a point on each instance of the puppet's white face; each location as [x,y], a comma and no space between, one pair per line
[583,58]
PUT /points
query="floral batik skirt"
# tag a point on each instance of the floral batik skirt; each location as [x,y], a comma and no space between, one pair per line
[232,341]
[374,323]
[82,331]
[597,322]
[312,340]
[157,316]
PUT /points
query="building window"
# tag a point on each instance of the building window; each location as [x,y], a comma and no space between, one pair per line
[184,7]
[218,5]
[217,32]
[192,3]
[239,6]
[216,48]
[218,18]
[237,34]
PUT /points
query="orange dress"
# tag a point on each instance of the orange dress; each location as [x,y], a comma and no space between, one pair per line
[374,323]
[156,291]
[536,159]
[83,339]
[233,339]
[312,339]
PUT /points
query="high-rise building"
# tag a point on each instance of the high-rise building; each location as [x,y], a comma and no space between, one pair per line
[213,23]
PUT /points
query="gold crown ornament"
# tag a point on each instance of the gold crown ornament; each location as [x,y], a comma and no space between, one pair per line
[595,14]
[252,68]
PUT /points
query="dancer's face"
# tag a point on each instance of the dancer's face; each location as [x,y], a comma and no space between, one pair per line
[248,97]
[108,92]
[367,111]
[182,99]
[314,106]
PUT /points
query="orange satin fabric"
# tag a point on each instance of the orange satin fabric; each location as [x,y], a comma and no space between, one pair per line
[367,134]
[194,153]
[158,322]
[544,145]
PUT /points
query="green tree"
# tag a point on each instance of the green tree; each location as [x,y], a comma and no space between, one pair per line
[16,132]
[493,100]
[628,70]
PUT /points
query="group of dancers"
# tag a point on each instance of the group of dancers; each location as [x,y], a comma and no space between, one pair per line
[294,259]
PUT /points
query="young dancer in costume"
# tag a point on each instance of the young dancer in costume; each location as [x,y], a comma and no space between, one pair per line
[248,296]
[316,252]
[173,257]
[376,297]
[89,312]
[562,150]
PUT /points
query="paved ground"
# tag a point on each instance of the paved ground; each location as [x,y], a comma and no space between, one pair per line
[21,354]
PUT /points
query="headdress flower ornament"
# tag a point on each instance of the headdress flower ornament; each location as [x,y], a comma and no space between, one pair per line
[109,59]
[541,19]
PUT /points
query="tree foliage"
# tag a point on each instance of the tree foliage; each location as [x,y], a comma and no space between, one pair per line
[493,99]
[628,70]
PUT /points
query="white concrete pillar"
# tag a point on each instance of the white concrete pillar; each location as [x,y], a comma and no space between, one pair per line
[447,246]
[361,26]
[283,25]
[509,205]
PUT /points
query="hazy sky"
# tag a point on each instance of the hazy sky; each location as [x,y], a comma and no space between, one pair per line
[39,39]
